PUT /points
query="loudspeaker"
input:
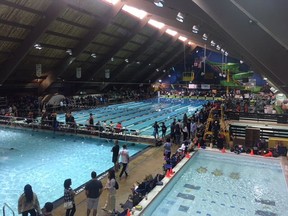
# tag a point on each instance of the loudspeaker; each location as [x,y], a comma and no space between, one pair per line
[252,137]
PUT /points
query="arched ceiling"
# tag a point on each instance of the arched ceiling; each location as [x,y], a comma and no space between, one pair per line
[103,37]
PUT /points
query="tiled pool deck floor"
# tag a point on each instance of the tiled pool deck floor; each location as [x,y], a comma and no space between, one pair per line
[150,162]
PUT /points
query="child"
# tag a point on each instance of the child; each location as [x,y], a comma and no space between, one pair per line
[47,209]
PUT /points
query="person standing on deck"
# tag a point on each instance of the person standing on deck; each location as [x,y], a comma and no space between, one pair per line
[69,194]
[156,130]
[163,129]
[124,153]
[28,202]
[93,190]
[115,155]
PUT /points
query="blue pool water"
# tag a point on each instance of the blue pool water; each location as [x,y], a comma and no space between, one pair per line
[140,115]
[45,160]
[214,184]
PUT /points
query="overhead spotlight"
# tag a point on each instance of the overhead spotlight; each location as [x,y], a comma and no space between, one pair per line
[241,61]
[93,55]
[265,78]
[180,17]
[159,3]
[164,71]
[222,50]
[226,53]
[169,75]
[112,59]
[127,60]
[38,46]
[138,62]
[212,43]
[160,80]
[195,29]
[205,37]
[218,47]
[157,70]
[69,51]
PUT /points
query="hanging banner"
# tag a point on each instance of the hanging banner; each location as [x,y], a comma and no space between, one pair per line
[38,70]
[78,72]
[107,73]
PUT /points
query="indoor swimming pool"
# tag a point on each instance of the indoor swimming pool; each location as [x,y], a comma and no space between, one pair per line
[46,159]
[214,184]
[141,115]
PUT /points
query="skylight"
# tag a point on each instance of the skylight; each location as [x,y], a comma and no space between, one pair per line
[156,24]
[134,11]
[182,38]
[171,32]
[113,2]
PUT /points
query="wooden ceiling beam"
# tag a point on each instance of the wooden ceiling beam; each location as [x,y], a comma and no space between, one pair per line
[98,67]
[79,48]
[15,24]
[21,7]
[174,57]
[120,70]
[145,64]
[8,67]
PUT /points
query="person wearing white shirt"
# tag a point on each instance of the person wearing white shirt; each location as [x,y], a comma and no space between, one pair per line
[124,156]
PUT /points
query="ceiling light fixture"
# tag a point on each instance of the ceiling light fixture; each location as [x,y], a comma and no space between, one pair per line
[218,47]
[112,59]
[127,60]
[93,55]
[180,17]
[134,11]
[195,29]
[241,61]
[205,37]
[69,51]
[159,3]
[226,53]
[38,46]
[212,43]
[156,24]
[222,50]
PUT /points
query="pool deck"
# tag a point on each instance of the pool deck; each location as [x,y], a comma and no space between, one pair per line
[150,162]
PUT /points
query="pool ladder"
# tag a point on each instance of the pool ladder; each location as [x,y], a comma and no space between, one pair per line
[6,205]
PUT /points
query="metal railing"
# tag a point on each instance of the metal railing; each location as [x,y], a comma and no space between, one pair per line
[6,205]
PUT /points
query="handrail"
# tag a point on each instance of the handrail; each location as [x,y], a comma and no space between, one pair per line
[6,205]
